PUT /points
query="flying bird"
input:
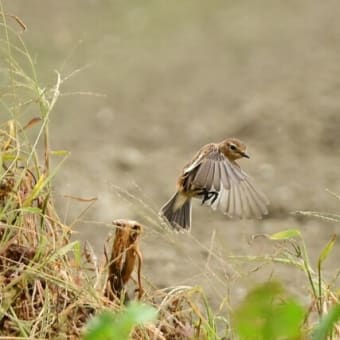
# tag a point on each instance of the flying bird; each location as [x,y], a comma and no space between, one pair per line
[214,177]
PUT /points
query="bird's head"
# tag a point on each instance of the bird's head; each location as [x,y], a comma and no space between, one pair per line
[234,149]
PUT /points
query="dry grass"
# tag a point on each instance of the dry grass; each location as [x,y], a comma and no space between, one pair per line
[49,286]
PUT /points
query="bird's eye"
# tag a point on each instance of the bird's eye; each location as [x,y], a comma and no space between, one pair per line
[232,147]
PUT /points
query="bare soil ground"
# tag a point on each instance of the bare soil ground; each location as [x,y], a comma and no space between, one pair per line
[176,76]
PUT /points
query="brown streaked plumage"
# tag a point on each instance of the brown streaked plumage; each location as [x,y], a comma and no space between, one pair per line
[216,178]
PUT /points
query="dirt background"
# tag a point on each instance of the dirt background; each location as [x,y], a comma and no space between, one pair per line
[160,79]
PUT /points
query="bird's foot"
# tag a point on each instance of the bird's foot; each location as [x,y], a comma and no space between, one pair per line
[209,195]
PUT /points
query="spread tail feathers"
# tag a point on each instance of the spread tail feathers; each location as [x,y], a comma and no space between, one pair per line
[178,211]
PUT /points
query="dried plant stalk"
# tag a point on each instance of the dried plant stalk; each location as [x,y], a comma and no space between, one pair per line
[125,251]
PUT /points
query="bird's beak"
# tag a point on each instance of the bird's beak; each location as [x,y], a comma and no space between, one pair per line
[244,154]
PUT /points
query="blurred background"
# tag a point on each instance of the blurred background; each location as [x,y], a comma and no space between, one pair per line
[159,79]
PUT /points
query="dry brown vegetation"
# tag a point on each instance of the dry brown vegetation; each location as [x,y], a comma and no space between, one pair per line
[50,287]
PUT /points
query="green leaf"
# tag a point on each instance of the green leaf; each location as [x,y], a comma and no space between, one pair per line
[326,324]
[64,250]
[286,234]
[39,186]
[326,250]
[100,327]
[31,210]
[119,325]
[139,313]
[7,300]
[60,153]
[77,252]
[8,156]
[267,313]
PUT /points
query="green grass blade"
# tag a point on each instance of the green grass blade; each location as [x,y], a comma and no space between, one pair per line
[286,234]
[326,250]
[326,324]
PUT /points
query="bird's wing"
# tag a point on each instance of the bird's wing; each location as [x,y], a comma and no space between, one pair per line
[237,195]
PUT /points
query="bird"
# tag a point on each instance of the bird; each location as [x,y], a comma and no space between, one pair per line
[215,177]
